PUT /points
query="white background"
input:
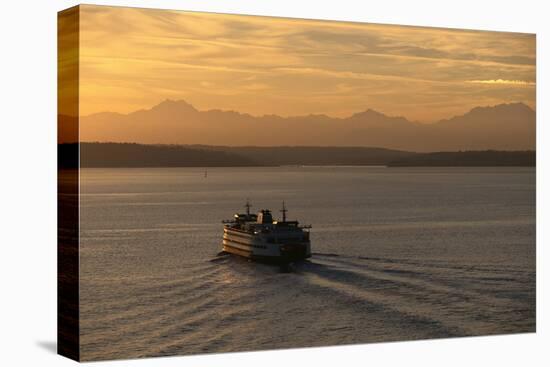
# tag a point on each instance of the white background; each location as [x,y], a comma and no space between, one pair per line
[28,182]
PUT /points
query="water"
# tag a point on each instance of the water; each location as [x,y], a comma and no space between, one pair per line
[399,254]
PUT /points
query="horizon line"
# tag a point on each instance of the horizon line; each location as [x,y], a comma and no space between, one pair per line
[298,146]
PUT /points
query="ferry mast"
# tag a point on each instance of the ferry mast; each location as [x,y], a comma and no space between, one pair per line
[247,206]
[284,210]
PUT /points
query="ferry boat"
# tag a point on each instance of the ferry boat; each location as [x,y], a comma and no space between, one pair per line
[260,237]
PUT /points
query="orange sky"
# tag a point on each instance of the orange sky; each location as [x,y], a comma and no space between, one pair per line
[133,58]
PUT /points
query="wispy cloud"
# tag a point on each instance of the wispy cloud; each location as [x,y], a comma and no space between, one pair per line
[503,81]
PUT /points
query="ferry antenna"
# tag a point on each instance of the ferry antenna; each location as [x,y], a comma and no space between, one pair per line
[247,206]
[284,210]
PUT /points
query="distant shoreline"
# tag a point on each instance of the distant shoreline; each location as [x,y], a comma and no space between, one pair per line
[489,158]
[132,155]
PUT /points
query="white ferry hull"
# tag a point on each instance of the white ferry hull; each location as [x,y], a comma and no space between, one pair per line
[258,247]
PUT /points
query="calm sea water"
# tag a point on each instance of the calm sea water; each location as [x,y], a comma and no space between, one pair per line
[399,254]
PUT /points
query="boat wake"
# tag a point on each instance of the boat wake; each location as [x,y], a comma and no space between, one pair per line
[229,303]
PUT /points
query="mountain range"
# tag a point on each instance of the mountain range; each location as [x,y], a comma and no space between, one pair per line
[501,127]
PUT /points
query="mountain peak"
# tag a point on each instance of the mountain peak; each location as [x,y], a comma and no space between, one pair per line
[372,117]
[501,114]
[368,113]
[169,105]
[503,107]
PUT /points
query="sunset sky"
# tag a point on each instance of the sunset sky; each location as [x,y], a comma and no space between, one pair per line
[132,59]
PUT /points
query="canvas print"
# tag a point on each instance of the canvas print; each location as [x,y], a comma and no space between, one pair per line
[238,183]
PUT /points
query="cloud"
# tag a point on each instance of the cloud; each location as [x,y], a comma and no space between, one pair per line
[503,81]
[256,86]
[262,65]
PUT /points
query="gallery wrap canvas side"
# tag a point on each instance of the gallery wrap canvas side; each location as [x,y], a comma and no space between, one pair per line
[68,338]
